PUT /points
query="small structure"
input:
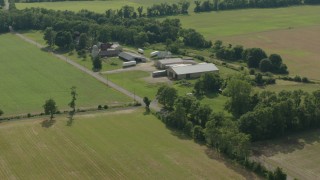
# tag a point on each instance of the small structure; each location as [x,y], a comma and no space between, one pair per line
[164,54]
[128,64]
[129,56]
[163,64]
[193,71]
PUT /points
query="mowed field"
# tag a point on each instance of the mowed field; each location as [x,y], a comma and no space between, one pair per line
[29,76]
[298,154]
[110,145]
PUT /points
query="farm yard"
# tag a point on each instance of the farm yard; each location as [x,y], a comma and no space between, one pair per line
[32,76]
[109,145]
[297,154]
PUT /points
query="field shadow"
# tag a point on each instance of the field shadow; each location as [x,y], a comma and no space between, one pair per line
[179,134]
[47,123]
[287,144]
[213,154]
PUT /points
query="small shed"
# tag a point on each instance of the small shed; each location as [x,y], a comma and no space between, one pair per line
[129,56]
[193,71]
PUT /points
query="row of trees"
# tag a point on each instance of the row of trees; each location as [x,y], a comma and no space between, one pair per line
[98,27]
[199,122]
[268,114]
[217,5]
[254,57]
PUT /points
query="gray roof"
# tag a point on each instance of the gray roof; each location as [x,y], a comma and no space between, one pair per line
[129,55]
[198,68]
[171,61]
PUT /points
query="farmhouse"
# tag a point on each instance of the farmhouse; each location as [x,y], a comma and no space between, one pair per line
[164,63]
[192,71]
[128,56]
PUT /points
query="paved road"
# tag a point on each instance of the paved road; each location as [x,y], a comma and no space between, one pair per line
[154,105]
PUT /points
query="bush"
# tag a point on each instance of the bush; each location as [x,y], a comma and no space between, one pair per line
[297,79]
[99,107]
[252,72]
[201,58]
[105,106]
[305,80]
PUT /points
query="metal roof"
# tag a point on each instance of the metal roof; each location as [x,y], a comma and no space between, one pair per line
[176,61]
[198,68]
[130,55]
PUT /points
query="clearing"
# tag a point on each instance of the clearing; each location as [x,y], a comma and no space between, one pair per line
[119,145]
[298,154]
[32,76]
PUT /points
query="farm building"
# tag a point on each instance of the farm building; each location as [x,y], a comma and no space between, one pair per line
[193,71]
[110,49]
[128,56]
[164,63]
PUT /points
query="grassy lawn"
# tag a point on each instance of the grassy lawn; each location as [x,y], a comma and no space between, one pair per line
[30,76]
[109,145]
[290,86]
[297,154]
[135,81]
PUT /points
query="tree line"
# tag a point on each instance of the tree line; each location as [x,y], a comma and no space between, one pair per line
[99,27]
[216,5]
[254,57]
[226,135]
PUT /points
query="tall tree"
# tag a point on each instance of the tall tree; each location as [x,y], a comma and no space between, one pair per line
[50,108]
[147,102]
[239,92]
[72,103]
[49,36]
[83,41]
[140,9]
[166,96]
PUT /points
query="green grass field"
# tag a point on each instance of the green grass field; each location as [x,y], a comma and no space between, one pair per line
[297,154]
[30,76]
[110,145]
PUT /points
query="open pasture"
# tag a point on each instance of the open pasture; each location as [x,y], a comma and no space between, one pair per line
[106,145]
[30,76]
[298,154]
[299,47]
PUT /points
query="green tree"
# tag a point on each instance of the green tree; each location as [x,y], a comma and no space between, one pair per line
[239,92]
[166,96]
[188,127]
[1,112]
[140,9]
[265,65]
[253,56]
[63,39]
[198,134]
[49,36]
[140,39]
[97,64]
[147,102]
[72,103]
[83,41]
[50,108]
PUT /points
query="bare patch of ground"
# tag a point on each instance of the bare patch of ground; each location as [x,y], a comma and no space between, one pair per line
[299,47]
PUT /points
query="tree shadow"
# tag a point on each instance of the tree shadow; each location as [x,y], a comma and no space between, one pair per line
[179,134]
[70,119]
[213,154]
[47,123]
[286,144]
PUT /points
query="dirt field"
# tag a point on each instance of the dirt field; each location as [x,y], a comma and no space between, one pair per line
[298,155]
[299,47]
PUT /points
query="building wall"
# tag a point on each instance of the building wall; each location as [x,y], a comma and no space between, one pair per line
[184,76]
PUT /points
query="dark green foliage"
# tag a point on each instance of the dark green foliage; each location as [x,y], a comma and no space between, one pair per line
[166,96]
[208,83]
[198,134]
[1,112]
[140,39]
[5,21]
[72,103]
[253,56]
[63,40]
[265,65]
[258,79]
[311,1]
[178,118]
[146,101]
[49,36]
[97,64]
[50,108]
[83,41]
[194,39]
[188,129]
[239,92]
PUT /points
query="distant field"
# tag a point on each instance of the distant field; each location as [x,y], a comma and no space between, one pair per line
[298,155]
[30,76]
[291,86]
[112,145]
[96,6]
